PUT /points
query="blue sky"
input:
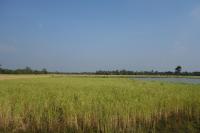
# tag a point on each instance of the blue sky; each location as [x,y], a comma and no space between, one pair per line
[88,35]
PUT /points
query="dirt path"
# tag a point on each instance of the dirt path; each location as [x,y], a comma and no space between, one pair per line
[8,77]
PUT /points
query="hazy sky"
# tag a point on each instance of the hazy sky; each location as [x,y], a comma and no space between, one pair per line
[88,35]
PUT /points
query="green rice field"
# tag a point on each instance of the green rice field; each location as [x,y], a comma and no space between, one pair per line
[79,104]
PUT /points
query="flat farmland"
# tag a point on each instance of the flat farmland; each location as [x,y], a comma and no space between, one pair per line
[52,103]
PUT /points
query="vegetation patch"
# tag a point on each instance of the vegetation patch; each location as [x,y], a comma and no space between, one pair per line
[89,104]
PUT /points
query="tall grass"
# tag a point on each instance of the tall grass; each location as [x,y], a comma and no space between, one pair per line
[85,104]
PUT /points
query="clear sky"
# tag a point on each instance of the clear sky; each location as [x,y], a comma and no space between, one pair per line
[88,35]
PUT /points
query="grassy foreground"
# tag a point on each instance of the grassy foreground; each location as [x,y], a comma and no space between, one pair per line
[89,104]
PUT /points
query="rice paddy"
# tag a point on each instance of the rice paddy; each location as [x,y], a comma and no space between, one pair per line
[58,104]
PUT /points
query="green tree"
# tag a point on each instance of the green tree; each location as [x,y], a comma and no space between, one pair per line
[44,71]
[28,70]
[0,66]
[178,70]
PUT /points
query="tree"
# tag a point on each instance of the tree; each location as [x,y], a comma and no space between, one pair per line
[44,71]
[27,70]
[0,69]
[178,70]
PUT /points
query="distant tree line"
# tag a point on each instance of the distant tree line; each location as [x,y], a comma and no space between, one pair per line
[125,72]
[178,71]
[26,70]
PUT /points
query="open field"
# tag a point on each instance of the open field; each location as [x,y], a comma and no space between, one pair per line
[55,103]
